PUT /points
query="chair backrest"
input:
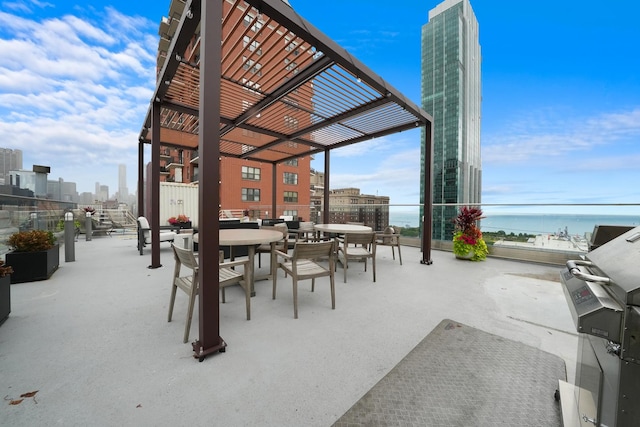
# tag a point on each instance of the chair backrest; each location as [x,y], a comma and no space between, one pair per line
[185,257]
[389,240]
[359,238]
[313,250]
[292,225]
[281,227]
[143,224]
[306,225]
[366,240]
[272,221]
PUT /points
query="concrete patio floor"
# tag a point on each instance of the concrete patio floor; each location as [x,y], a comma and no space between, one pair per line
[95,344]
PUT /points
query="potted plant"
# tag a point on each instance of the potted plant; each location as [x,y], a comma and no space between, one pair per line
[34,255]
[5,291]
[181,221]
[467,237]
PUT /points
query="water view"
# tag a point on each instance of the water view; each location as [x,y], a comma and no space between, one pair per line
[569,224]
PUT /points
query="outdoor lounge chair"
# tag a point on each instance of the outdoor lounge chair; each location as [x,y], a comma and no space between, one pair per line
[303,264]
[144,234]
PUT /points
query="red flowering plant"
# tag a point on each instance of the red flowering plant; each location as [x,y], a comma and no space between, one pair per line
[89,209]
[180,219]
[467,237]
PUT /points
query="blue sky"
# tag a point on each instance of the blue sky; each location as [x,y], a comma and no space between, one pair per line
[560,86]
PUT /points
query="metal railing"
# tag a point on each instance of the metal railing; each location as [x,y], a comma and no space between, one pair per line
[546,233]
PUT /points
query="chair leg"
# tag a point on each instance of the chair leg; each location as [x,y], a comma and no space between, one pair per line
[295,298]
[373,266]
[247,297]
[187,327]
[313,284]
[224,299]
[275,278]
[172,300]
[333,292]
[399,255]
[344,267]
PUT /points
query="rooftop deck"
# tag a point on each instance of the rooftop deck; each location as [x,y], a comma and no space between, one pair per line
[93,340]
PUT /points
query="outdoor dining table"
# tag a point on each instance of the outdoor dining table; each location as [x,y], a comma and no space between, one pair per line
[249,237]
[342,228]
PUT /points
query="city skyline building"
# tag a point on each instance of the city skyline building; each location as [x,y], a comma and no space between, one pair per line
[123,191]
[10,160]
[451,93]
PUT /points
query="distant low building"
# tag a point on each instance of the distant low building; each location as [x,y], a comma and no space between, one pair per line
[348,205]
[34,180]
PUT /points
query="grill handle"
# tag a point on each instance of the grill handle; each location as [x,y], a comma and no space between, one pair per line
[572,266]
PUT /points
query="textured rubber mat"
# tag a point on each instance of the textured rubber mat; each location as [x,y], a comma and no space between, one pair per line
[461,376]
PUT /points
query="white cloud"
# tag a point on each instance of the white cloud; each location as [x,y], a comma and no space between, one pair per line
[74,91]
[536,138]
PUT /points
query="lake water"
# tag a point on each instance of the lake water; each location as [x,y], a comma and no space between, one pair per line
[533,224]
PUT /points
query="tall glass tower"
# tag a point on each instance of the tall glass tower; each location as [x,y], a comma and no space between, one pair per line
[451,94]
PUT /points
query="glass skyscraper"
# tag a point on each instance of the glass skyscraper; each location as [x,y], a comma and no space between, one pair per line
[451,94]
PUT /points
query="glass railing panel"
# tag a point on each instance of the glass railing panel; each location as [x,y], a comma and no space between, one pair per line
[18,213]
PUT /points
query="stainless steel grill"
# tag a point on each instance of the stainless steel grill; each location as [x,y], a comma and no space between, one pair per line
[603,294]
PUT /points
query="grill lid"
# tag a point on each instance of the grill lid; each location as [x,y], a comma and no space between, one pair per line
[619,260]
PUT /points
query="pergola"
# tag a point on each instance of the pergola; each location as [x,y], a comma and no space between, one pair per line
[234,67]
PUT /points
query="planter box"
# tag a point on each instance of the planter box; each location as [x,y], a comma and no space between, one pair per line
[5,298]
[185,225]
[32,266]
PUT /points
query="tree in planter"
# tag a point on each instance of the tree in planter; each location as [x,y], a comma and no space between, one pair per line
[34,254]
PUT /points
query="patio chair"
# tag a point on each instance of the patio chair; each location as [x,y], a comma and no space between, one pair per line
[303,264]
[144,234]
[357,246]
[189,282]
[281,245]
[389,237]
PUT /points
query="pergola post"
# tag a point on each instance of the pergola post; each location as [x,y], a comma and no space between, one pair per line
[209,187]
[427,196]
[325,213]
[274,189]
[140,177]
[154,220]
